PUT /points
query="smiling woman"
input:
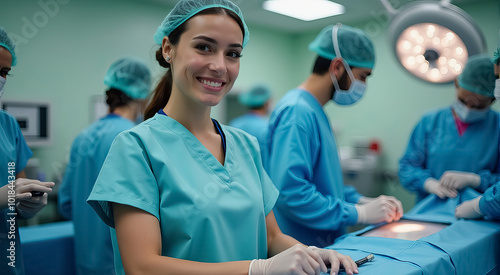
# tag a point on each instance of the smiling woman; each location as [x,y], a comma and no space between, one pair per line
[193,187]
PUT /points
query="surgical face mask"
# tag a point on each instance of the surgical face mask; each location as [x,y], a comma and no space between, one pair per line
[468,115]
[497,89]
[357,88]
[2,85]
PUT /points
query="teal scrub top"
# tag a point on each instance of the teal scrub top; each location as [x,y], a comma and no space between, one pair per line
[208,212]
[93,249]
[251,123]
[435,147]
[301,158]
[13,149]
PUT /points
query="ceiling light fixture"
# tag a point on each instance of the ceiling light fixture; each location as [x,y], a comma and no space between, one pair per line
[304,10]
[433,40]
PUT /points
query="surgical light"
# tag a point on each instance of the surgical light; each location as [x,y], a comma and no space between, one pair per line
[433,40]
[304,10]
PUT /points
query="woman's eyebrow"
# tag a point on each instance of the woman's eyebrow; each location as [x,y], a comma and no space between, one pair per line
[213,41]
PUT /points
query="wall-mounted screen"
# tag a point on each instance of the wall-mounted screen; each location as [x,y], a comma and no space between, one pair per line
[33,119]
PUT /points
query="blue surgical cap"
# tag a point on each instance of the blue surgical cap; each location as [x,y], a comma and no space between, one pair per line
[478,76]
[496,57]
[355,46]
[131,76]
[256,97]
[7,43]
[185,9]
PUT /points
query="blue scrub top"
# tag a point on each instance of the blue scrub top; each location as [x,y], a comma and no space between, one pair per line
[302,160]
[251,123]
[93,249]
[207,211]
[435,147]
[13,149]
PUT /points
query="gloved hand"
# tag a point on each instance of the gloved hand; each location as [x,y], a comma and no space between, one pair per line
[334,258]
[469,209]
[457,180]
[27,204]
[383,208]
[433,186]
[298,259]
[364,200]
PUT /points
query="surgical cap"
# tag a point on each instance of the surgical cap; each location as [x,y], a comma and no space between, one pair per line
[131,76]
[496,57]
[7,43]
[354,45]
[256,97]
[185,9]
[478,76]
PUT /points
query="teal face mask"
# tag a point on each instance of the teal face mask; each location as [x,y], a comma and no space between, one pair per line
[468,115]
[357,88]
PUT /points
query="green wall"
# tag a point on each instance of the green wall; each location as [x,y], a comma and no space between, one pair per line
[65,47]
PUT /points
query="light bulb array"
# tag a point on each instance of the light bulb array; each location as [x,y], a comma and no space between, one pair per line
[431,52]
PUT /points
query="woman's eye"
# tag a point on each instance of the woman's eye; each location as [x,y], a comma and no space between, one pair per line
[234,54]
[203,47]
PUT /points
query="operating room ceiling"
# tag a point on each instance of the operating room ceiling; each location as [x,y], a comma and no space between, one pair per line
[356,11]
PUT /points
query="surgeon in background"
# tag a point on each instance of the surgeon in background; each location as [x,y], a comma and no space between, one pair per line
[300,150]
[456,146]
[488,204]
[14,155]
[129,82]
[257,99]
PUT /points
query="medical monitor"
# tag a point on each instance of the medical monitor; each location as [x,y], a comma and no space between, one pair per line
[405,229]
[33,119]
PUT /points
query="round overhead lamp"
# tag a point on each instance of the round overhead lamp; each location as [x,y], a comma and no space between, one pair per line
[433,40]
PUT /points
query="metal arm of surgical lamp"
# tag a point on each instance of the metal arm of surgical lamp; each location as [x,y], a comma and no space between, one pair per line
[433,40]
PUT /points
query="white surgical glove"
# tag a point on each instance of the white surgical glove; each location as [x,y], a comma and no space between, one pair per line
[334,259]
[297,259]
[364,200]
[433,186]
[383,208]
[28,205]
[459,180]
[469,209]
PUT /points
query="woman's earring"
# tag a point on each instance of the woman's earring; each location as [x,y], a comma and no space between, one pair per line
[168,59]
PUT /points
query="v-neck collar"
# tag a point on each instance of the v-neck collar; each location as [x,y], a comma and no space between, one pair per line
[222,171]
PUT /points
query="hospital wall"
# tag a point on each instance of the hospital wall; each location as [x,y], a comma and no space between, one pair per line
[65,47]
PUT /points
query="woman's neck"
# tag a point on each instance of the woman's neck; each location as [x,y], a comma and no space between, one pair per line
[194,117]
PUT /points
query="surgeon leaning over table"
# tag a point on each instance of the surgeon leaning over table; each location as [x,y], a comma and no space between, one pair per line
[488,204]
[300,151]
[456,146]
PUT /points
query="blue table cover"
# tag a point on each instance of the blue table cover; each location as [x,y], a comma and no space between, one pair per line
[48,248]
[463,247]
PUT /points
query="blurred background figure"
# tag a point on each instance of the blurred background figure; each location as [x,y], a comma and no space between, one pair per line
[129,81]
[487,205]
[257,99]
[19,197]
[456,146]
